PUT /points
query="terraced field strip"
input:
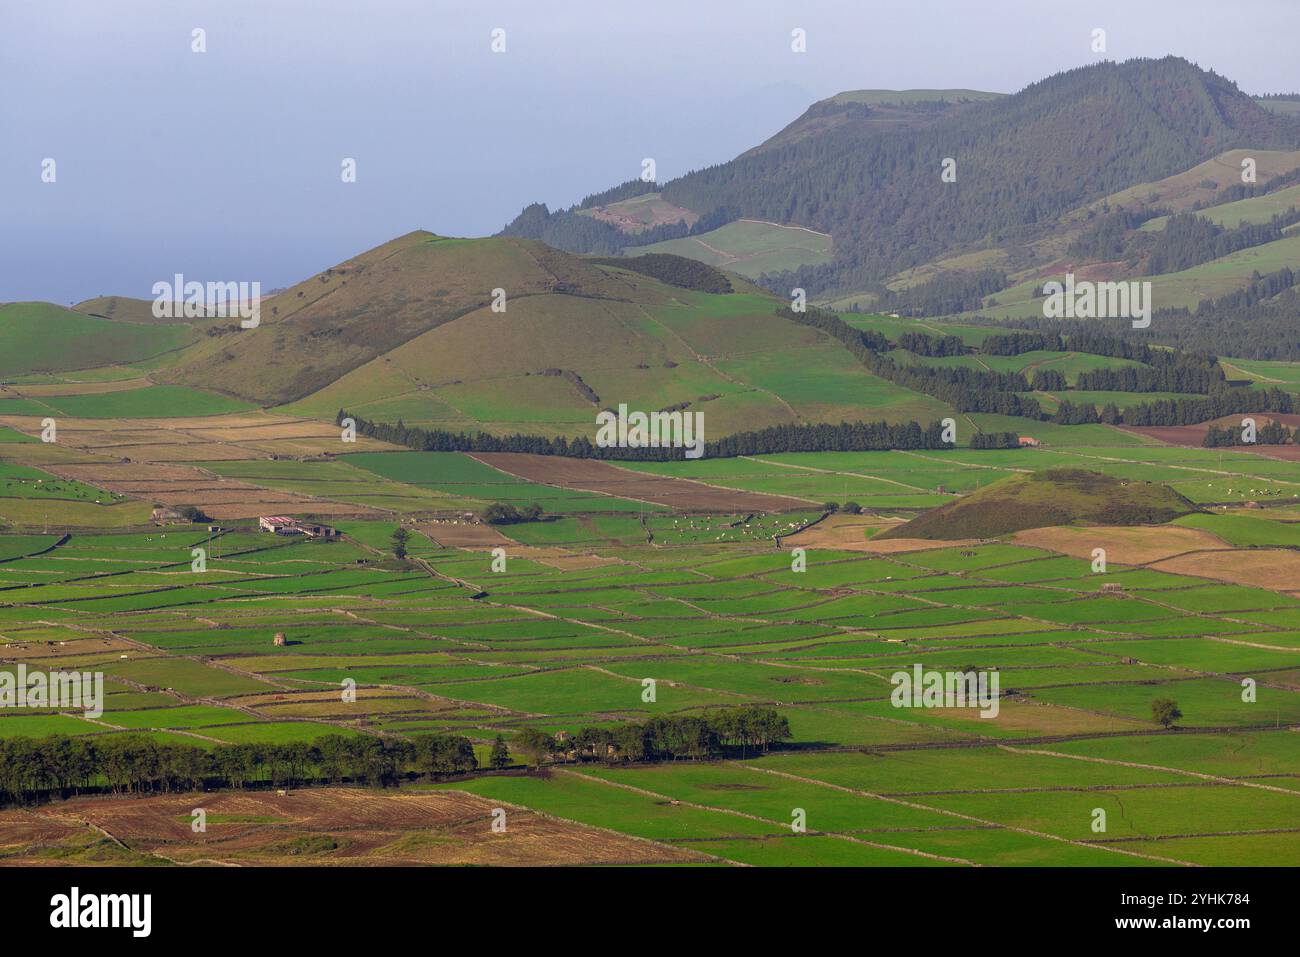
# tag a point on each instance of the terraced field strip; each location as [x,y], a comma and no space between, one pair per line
[589,475]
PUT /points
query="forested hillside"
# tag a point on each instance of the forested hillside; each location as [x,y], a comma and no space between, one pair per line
[870,174]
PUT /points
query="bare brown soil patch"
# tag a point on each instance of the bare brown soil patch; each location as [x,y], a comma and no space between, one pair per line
[146,459]
[31,650]
[1031,717]
[480,537]
[462,533]
[589,475]
[1274,568]
[322,827]
[848,533]
[1124,544]
[838,531]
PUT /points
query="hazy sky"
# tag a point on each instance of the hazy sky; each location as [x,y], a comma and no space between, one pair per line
[226,165]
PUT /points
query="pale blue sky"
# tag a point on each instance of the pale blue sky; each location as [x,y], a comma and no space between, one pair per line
[225,165]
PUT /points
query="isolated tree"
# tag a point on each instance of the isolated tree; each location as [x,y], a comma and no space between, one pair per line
[400,537]
[500,756]
[1165,711]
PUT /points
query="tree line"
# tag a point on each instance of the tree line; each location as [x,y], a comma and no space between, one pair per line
[1169,373]
[932,347]
[33,769]
[59,765]
[811,437]
[1271,433]
[709,734]
[1191,411]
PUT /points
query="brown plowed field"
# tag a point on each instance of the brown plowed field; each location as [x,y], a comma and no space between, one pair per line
[589,475]
[314,826]
[146,459]
[848,533]
[1124,545]
[1275,568]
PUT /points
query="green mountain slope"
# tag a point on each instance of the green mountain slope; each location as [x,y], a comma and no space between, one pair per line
[554,358]
[321,329]
[866,166]
[42,337]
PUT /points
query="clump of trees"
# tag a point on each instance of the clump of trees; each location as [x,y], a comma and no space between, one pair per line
[995,440]
[674,270]
[501,513]
[944,295]
[1048,380]
[931,346]
[400,537]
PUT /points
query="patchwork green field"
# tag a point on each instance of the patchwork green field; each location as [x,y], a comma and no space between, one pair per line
[749,247]
[442,642]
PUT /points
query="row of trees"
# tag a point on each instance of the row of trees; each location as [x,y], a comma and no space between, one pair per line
[666,737]
[966,390]
[63,766]
[1067,413]
[816,437]
[1178,373]
[1218,404]
[932,346]
[1271,433]
[31,768]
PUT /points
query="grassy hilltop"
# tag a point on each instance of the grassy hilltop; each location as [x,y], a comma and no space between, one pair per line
[1040,499]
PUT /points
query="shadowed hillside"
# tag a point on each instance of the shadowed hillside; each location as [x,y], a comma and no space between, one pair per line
[322,328]
[1053,497]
